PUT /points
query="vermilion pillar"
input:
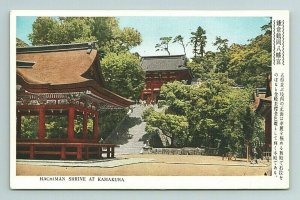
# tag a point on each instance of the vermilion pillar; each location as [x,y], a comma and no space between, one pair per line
[71,116]
[19,121]
[84,126]
[96,127]
[152,95]
[41,131]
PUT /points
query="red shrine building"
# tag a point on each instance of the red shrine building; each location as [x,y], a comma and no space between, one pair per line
[160,70]
[63,81]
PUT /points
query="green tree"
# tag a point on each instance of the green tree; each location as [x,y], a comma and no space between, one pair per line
[202,68]
[221,57]
[221,44]
[211,62]
[56,127]
[164,44]
[78,126]
[123,40]
[44,31]
[172,126]
[267,28]
[214,111]
[123,74]
[248,126]
[104,30]
[179,39]
[246,64]
[29,127]
[249,64]
[208,111]
[198,41]
[175,96]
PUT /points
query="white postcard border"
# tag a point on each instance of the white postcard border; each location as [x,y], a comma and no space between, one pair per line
[146,182]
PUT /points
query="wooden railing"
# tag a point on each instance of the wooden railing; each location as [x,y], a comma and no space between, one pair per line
[65,150]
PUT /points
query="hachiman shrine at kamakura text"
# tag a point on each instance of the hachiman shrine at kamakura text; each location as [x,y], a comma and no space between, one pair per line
[62,80]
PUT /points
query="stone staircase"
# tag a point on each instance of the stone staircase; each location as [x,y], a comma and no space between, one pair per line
[134,145]
[129,132]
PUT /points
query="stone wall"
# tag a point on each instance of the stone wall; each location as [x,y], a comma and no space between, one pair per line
[175,151]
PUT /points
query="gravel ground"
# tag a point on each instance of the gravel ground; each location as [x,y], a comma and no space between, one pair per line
[145,165]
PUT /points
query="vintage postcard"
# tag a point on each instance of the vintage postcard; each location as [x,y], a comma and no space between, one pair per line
[147,99]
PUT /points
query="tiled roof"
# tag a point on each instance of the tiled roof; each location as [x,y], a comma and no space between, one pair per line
[55,67]
[164,63]
[56,47]
[62,67]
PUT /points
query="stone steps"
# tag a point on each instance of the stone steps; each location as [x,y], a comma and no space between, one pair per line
[132,143]
[130,136]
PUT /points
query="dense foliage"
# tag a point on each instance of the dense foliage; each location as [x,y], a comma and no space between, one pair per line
[56,126]
[104,30]
[174,127]
[122,74]
[246,64]
[29,127]
[213,114]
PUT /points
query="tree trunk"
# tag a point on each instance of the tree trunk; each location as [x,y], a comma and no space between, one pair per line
[184,49]
[172,140]
[247,152]
[168,52]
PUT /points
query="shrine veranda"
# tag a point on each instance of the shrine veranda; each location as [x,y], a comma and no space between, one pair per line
[73,87]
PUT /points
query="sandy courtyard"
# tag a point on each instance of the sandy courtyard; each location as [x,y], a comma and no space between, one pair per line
[148,165]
